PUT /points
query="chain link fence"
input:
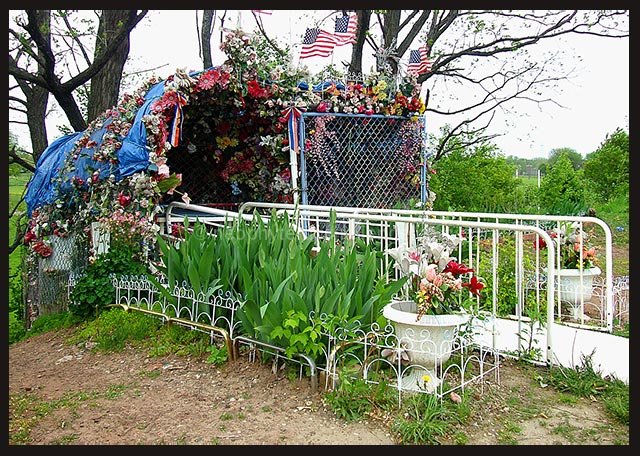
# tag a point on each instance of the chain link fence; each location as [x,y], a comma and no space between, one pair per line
[361,160]
[47,279]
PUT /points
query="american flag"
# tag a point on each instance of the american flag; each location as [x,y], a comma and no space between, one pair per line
[317,42]
[345,31]
[419,60]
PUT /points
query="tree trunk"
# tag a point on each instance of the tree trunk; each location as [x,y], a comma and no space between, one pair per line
[37,109]
[37,99]
[205,37]
[391,30]
[105,85]
[364,18]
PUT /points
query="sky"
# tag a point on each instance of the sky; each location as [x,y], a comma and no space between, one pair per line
[595,101]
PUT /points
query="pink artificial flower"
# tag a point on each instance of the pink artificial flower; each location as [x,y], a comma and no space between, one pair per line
[430,273]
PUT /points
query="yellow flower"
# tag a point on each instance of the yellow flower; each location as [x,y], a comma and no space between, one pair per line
[224,142]
[426,378]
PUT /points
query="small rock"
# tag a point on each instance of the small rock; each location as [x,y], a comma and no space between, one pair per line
[64,359]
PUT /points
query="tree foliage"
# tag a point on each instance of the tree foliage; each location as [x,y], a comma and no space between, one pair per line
[607,168]
[573,156]
[482,60]
[474,179]
[562,187]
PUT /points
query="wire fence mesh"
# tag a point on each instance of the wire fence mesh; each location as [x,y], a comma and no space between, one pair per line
[48,279]
[360,160]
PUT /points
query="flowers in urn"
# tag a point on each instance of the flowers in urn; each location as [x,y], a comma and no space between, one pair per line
[573,244]
[437,282]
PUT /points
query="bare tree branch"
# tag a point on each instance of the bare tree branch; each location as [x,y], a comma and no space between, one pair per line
[13,154]
[19,100]
[75,38]
[274,46]
[13,108]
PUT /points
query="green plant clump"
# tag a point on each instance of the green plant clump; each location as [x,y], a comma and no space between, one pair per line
[585,381]
[95,289]
[282,278]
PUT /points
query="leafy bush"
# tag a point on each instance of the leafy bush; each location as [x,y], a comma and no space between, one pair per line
[507,297]
[94,290]
[474,180]
[562,186]
[607,169]
[16,323]
[16,327]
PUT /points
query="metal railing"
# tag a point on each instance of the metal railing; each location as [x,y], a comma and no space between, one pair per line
[314,219]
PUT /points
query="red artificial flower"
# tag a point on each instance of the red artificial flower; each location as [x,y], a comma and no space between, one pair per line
[255,91]
[457,268]
[475,286]
[322,106]
[28,237]
[539,244]
[123,199]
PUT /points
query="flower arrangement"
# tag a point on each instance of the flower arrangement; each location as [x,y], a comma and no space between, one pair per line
[437,282]
[373,96]
[573,244]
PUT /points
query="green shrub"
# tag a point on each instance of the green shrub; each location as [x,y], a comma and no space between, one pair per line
[562,187]
[95,289]
[114,328]
[507,297]
[16,328]
[478,179]
[607,169]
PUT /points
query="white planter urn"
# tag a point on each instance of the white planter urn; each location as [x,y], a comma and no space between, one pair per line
[575,287]
[428,343]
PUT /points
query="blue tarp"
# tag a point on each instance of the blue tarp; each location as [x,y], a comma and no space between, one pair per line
[40,189]
[133,156]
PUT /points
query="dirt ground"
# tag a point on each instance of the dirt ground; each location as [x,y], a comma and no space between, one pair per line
[68,394]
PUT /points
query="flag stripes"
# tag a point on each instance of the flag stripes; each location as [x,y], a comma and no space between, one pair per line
[317,42]
[419,61]
[345,29]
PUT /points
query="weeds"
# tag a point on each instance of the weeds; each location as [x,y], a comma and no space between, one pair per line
[585,381]
[114,328]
